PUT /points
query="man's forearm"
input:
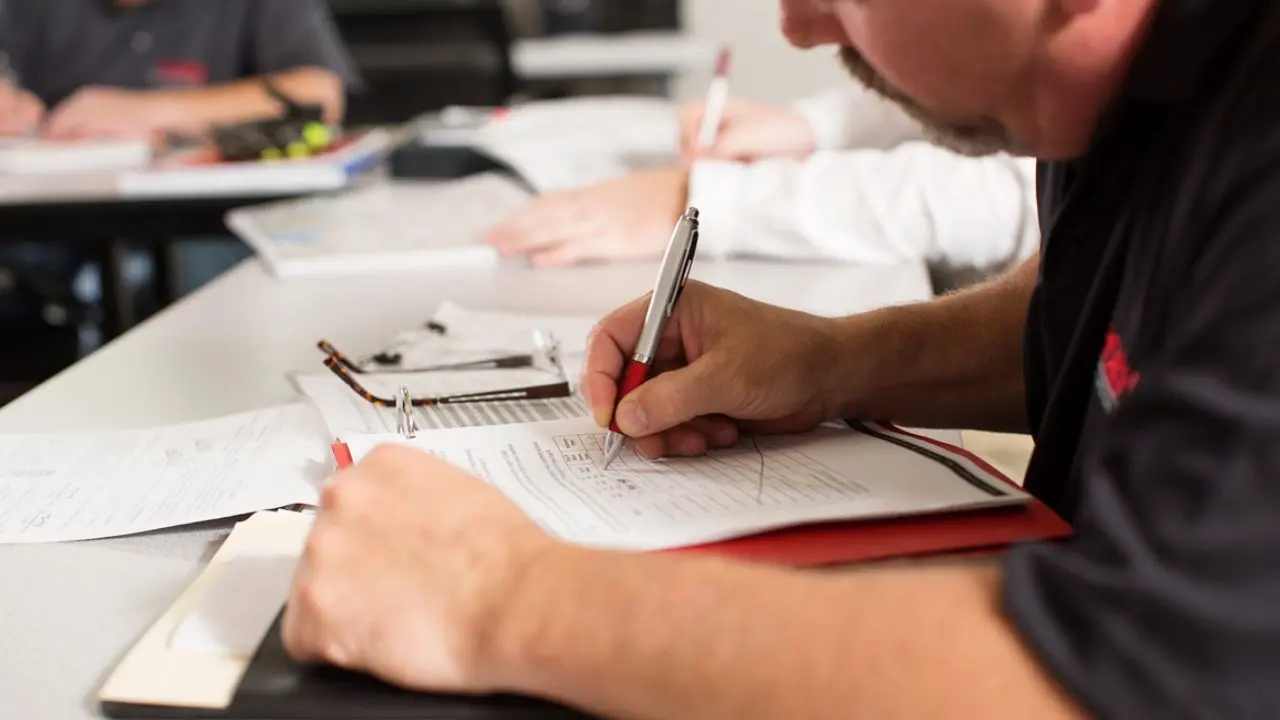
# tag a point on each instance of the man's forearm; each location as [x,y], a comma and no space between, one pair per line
[660,637]
[955,362]
[194,111]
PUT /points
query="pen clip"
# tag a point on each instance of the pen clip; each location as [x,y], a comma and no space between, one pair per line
[676,265]
[691,248]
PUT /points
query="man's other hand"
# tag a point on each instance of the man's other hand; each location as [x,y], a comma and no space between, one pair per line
[748,131]
[726,364]
[408,571]
[20,110]
[623,219]
[107,112]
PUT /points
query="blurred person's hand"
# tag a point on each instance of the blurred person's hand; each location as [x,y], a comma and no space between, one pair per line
[623,219]
[108,112]
[20,110]
[748,131]
[725,363]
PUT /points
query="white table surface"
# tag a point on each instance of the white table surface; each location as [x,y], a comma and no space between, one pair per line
[602,55]
[71,610]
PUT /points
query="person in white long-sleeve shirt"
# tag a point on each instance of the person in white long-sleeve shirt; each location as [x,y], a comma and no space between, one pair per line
[844,176]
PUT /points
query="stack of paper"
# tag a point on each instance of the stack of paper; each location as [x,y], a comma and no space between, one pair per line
[385,227]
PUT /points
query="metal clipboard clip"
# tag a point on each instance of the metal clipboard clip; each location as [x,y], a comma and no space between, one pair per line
[406,423]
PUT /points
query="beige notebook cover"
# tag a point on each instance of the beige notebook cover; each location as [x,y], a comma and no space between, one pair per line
[153,673]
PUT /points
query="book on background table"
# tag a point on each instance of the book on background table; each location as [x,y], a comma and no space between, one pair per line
[380,227]
[202,173]
[36,156]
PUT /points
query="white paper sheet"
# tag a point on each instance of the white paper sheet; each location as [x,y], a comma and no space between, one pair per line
[381,227]
[554,472]
[233,616]
[570,143]
[49,157]
[61,487]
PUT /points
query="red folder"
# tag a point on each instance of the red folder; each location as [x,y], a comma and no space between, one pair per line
[839,543]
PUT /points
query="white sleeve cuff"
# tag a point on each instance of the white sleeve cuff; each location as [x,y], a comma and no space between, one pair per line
[714,189]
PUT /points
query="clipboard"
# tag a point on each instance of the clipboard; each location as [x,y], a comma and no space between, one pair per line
[153,681]
[859,541]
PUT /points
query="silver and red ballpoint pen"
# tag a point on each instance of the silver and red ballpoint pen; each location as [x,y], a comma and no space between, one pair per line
[672,276]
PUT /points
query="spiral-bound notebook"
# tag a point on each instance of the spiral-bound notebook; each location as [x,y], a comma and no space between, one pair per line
[382,227]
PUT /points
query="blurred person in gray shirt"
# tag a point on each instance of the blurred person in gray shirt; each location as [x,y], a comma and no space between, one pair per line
[146,69]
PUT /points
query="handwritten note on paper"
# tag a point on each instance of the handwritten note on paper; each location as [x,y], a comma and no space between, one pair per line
[554,472]
[61,487]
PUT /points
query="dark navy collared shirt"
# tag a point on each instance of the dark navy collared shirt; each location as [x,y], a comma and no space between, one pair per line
[56,47]
[1153,383]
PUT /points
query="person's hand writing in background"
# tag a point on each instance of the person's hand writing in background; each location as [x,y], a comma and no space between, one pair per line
[20,111]
[749,131]
[621,219]
[107,112]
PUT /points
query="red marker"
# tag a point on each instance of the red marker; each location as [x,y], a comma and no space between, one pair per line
[666,293]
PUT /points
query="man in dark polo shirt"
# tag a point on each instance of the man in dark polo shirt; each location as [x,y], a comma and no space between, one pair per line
[134,68]
[148,68]
[1142,349]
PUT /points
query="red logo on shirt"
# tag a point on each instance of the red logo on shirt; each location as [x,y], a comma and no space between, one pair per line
[180,73]
[1114,376]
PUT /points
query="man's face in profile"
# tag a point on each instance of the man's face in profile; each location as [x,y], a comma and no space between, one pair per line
[966,139]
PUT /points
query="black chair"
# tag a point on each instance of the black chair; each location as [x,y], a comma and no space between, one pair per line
[36,349]
[419,56]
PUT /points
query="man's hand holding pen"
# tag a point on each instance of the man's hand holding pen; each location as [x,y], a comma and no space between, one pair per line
[724,365]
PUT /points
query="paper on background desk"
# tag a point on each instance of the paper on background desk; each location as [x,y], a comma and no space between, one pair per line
[36,156]
[81,486]
[383,227]
[554,472]
[575,142]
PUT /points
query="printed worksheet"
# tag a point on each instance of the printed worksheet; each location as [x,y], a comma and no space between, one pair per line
[555,472]
[81,486]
